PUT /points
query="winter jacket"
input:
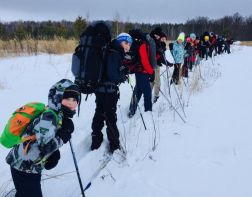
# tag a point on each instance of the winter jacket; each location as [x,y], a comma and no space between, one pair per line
[160,53]
[139,62]
[143,52]
[213,40]
[189,49]
[178,52]
[205,44]
[44,128]
[115,72]
[191,52]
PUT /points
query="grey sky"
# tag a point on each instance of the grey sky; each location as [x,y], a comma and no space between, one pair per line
[134,10]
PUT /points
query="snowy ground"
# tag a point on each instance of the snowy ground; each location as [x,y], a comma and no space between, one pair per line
[209,155]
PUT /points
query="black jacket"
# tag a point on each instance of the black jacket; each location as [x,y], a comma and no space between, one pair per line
[160,53]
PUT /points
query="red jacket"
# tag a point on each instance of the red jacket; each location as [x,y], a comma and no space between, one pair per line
[143,52]
[213,40]
[142,64]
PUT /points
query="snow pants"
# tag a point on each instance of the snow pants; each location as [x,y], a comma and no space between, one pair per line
[26,184]
[106,105]
[142,87]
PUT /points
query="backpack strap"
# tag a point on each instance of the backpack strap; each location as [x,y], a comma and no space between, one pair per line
[27,139]
[31,138]
[58,120]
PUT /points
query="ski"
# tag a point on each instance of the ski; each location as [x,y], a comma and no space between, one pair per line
[97,172]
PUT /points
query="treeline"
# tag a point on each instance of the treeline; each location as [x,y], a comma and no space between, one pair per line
[237,26]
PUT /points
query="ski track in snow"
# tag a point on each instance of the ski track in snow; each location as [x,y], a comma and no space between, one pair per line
[208,156]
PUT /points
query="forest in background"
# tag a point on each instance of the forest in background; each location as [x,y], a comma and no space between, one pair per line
[236,26]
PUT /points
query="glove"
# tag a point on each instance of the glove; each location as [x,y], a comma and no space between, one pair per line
[152,77]
[66,130]
[124,69]
[53,160]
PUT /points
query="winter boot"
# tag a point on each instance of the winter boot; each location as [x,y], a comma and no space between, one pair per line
[130,114]
[97,139]
[155,99]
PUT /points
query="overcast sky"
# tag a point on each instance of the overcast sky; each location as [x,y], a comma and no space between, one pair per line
[133,10]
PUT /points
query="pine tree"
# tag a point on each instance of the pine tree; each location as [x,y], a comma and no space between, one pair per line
[79,26]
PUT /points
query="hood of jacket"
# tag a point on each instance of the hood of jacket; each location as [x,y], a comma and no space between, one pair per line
[56,93]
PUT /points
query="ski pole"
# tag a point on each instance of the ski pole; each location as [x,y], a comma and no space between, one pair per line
[172,106]
[169,86]
[179,99]
[134,98]
[77,169]
[155,136]
[162,72]
[55,176]
[125,144]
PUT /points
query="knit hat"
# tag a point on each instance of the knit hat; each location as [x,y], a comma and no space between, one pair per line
[157,30]
[181,36]
[162,35]
[206,38]
[188,39]
[72,91]
[193,36]
[124,37]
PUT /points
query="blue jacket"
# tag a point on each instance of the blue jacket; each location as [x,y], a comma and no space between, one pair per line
[178,52]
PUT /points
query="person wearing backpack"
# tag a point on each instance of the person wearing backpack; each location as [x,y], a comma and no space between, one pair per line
[143,69]
[205,45]
[89,56]
[107,93]
[178,53]
[45,135]
[160,38]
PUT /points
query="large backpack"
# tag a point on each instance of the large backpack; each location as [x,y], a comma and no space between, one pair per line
[89,57]
[139,38]
[152,50]
[19,122]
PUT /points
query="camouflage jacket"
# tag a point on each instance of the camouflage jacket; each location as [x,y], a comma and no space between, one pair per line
[44,128]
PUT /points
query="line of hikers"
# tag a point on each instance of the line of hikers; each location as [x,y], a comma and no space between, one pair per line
[99,65]
[188,52]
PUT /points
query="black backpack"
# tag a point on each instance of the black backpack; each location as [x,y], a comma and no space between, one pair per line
[152,50]
[138,38]
[88,61]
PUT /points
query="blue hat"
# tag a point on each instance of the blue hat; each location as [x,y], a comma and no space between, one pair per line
[192,35]
[124,37]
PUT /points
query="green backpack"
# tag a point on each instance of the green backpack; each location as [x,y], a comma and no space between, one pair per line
[18,123]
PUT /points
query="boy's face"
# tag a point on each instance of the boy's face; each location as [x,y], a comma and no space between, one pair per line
[71,103]
[126,46]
